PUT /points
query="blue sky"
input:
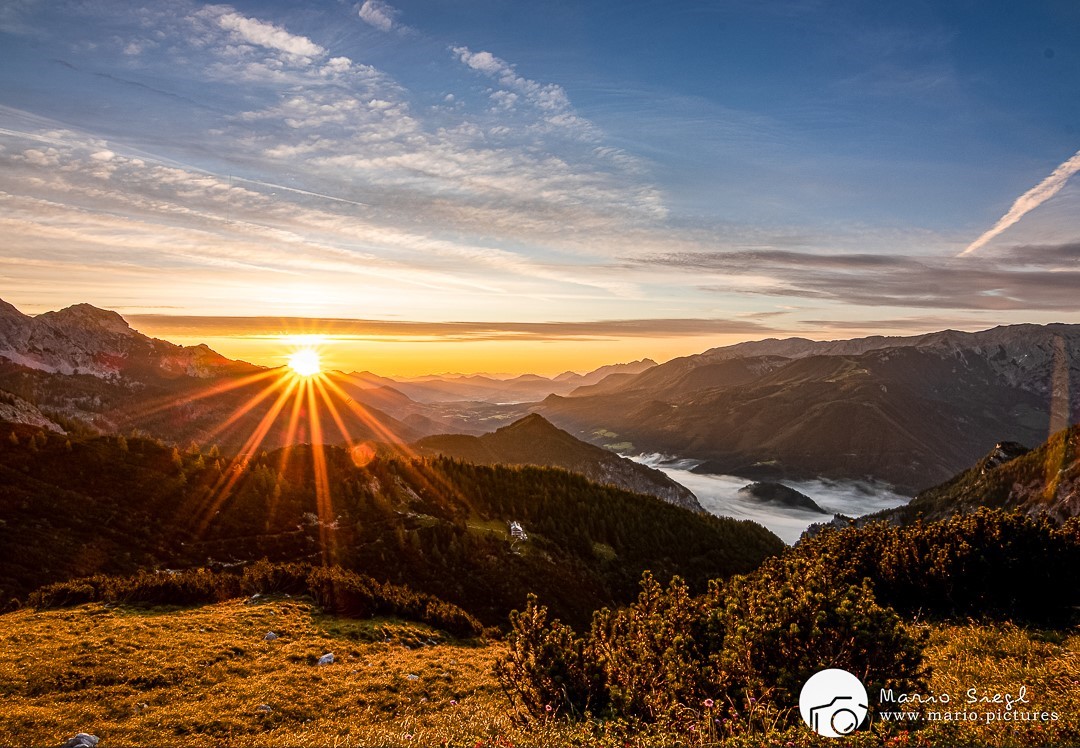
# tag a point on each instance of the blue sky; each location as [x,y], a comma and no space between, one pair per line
[656,178]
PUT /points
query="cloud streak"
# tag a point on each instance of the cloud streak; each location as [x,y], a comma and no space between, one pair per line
[418,331]
[1046,281]
[1027,202]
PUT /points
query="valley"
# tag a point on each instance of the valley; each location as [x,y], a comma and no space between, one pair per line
[720,495]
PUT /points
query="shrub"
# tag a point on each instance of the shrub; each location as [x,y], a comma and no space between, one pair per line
[752,643]
[339,591]
[987,563]
[546,670]
[270,579]
[747,646]
[656,654]
[347,593]
[793,618]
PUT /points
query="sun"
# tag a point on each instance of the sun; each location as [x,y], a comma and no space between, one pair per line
[305,362]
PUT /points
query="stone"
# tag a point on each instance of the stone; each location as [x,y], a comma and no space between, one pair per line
[82,740]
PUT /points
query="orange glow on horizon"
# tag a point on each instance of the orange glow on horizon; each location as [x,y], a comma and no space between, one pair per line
[406,358]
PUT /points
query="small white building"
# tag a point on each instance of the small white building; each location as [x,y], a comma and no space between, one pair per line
[517,532]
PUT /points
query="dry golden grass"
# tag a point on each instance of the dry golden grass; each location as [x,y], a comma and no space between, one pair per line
[1001,658]
[197,677]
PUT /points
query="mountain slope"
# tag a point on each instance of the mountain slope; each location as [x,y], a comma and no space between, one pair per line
[88,366]
[534,441]
[1044,480]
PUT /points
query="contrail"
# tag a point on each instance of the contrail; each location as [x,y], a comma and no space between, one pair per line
[297,190]
[1030,200]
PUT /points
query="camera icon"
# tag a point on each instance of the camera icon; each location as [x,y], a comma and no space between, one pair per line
[838,714]
[833,703]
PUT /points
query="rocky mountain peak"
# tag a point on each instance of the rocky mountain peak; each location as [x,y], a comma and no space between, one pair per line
[83,339]
[90,318]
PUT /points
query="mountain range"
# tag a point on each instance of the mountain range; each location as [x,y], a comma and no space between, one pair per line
[479,388]
[913,411]
[83,339]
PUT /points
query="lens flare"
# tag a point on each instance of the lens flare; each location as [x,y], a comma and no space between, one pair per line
[305,362]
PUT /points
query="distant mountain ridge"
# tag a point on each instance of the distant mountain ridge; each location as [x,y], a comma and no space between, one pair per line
[535,441]
[1009,343]
[524,388]
[912,411]
[88,366]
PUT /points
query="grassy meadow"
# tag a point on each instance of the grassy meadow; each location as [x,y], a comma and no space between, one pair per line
[206,676]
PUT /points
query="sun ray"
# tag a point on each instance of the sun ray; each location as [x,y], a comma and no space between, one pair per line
[323,501]
[220,492]
[430,479]
[364,415]
[318,382]
[311,396]
[291,429]
[218,388]
[246,408]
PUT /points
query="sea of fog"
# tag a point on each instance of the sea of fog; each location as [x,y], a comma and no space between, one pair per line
[719,494]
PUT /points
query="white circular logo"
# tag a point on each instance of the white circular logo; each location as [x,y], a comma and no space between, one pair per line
[833,703]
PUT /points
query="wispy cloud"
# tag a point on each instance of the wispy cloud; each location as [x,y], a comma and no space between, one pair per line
[92,195]
[548,98]
[1027,202]
[521,173]
[379,14]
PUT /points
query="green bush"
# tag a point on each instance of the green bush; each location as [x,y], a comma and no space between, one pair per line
[793,618]
[547,670]
[656,654]
[741,649]
[266,578]
[746,647]
[189,587]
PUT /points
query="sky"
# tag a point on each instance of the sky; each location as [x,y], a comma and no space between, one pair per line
[484,185]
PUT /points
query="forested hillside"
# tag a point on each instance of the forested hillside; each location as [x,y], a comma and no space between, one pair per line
[74,507]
